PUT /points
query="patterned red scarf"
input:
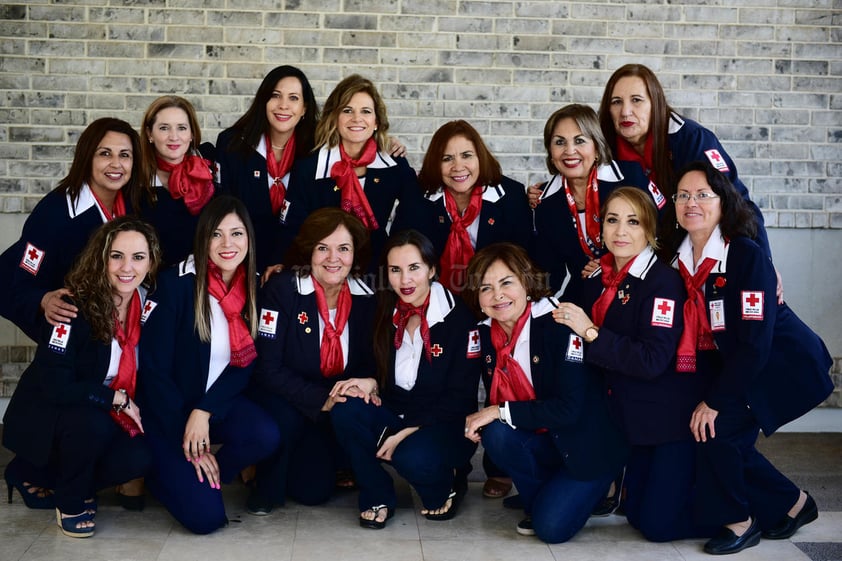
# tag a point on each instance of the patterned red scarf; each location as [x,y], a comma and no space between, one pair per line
[126,378]
[277,170]
[458,249]
[330,350]
[591,243]
[627,153]
[191,180]
[403,312]
[697,333]
[611,280]
[509,382]
[232,300]
[353,196]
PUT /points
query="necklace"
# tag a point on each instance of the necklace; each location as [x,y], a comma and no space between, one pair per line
[278,147]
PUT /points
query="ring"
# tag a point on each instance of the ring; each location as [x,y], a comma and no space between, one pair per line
[205,443]
[566,316]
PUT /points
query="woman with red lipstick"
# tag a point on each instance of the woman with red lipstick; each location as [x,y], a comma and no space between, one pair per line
[548,423]
[315,331]
[427,350]
[767,367]
[351,169]
[104,182]
[178,174]
[72,421]
[632,321]
[196,357]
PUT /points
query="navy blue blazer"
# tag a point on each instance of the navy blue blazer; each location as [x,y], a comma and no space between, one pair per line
[53,236]
[68,371]
[391,188]
[766,356]
[446,387]
[174,362]
[555,246]
[247,179]
[569,398]
[288,343]
[636,350]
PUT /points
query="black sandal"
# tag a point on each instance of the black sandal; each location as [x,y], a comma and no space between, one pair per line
[375,524]
[455,498]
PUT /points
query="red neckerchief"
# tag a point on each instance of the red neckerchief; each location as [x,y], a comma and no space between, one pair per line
[191,180]
[277,170]
[458,249]
[697,333]
[353,197]
[627,153]
[509,382]
[593,241]
[403,312]
[119,206]
[126,378]
[232,301]
[330,349]
[610,281]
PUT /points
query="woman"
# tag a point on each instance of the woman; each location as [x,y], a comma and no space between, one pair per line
[350,169]
[642,128]
[315,330]
[470,204]
[632,320]
[737,334]
[567,241]
[427,352]
[72,420]
[256,154]
[177,172]
[196,357]
[548,424]
[105,181]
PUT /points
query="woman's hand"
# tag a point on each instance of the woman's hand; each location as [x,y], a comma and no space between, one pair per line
[703,418]
[363,388]
[533,195]
[57,310]
[591,266]
[388,447]
[396,148]
[131,409]
[475,421]
[196,442]
[270,270]
[207,467]
[573,317]
[779,289]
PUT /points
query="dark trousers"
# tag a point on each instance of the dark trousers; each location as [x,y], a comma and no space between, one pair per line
[734,480]
[659,489]
[247,435]
[428,458]
[90,452]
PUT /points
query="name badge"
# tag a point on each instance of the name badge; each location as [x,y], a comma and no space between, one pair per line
[717,315]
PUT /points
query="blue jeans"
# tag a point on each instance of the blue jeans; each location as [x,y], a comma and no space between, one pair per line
[559,504]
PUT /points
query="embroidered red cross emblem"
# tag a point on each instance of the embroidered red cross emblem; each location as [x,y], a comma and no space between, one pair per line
[714,155]
[33,254]
[61,331]
[663,307]
[577,343]
[436,350]
[148,307]
[302,318]
[752,299]
[474,338]
[268,317]
[655,189]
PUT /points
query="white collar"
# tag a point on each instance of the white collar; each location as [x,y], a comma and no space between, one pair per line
[84,201]
[716,248]
[641,265]
[442,303]
[329,156]
[187,267]
[675,123]
[357,287]
[609,172]
[490,193]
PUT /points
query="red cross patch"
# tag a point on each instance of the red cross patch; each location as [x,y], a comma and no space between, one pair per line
[32,259]
[473,344]
[268,326]
[147,309]
[575,349]
[663,311]
[491,222]
[436,350]
[752,304]
[59,338]
[302,318]
[717,160]
[660,199]
[282,215]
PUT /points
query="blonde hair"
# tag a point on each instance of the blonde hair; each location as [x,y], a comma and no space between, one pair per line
[327,133]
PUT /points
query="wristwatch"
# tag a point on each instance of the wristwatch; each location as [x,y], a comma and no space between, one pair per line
[591,334]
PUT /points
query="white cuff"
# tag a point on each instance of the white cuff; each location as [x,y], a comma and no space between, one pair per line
[506,415]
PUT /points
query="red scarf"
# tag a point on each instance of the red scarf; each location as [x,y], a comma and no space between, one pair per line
[353,197]
[232,300]
[277,170]
[330,350]
[509,382]
[126,378]
[611,279]
[191,180]
[403,312]
[697,333]
[627,153]
[593,241]
[119,206]
[458,249]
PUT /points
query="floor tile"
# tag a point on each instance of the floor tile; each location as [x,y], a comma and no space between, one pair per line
[582,550]
[766,550]
[365,546]
[486,548]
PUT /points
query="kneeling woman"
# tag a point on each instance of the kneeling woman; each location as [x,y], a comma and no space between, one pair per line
[427,351]
[72,419]
[548,425]
[197,353]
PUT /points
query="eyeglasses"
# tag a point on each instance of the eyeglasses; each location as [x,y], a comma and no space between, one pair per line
[701,198]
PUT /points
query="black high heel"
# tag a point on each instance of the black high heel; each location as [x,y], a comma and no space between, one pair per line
[31,500]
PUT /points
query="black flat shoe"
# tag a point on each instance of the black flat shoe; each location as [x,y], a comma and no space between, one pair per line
[788,526]
[455,498]
[513,502]
[132,502]
[257,504]
[375,524]
[728,542]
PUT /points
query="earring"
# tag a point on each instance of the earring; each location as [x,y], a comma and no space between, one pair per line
[528,298]
[676,224]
